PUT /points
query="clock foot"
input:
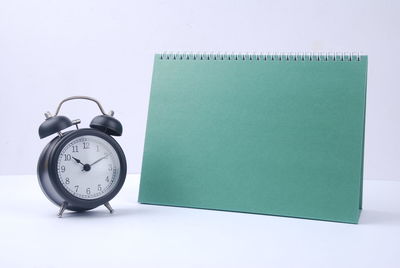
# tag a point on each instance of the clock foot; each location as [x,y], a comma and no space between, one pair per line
[62,209]
[108,206]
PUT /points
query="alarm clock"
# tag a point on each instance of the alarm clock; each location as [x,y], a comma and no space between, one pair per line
[83,168]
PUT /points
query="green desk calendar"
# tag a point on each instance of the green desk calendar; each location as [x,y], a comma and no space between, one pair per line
[268,134]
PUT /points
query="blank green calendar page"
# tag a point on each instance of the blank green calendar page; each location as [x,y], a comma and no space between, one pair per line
[280,136]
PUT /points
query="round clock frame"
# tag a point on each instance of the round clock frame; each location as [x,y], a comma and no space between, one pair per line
[50,181]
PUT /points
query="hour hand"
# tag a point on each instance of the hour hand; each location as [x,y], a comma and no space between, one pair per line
[78,161]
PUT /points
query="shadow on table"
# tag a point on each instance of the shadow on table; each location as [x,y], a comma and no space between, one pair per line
[100,213]
[379,217]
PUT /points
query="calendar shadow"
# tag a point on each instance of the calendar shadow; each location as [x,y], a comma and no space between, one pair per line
[377,217]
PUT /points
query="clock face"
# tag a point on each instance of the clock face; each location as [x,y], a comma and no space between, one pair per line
[88,167]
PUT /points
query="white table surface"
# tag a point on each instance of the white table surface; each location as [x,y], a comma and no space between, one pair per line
[155,236]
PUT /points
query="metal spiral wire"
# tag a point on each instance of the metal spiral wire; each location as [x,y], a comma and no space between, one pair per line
[275,56]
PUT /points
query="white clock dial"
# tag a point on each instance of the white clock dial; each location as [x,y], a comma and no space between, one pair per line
[88,167]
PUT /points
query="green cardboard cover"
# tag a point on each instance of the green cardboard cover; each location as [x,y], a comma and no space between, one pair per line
[280,135]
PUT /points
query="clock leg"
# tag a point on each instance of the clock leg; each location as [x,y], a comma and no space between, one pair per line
[62,209]
[108,206]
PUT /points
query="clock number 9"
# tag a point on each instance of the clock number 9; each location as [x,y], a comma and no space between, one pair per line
[62,169]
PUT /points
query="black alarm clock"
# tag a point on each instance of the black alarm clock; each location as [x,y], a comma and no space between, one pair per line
[83,168]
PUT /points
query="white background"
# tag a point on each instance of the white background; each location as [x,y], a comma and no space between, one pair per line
[53,49]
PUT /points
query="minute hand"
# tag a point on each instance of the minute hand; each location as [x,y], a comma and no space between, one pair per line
[98,160]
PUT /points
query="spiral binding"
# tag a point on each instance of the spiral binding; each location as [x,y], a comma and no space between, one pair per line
[289,56]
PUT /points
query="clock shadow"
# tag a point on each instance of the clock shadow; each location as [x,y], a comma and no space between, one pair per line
[104,213]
